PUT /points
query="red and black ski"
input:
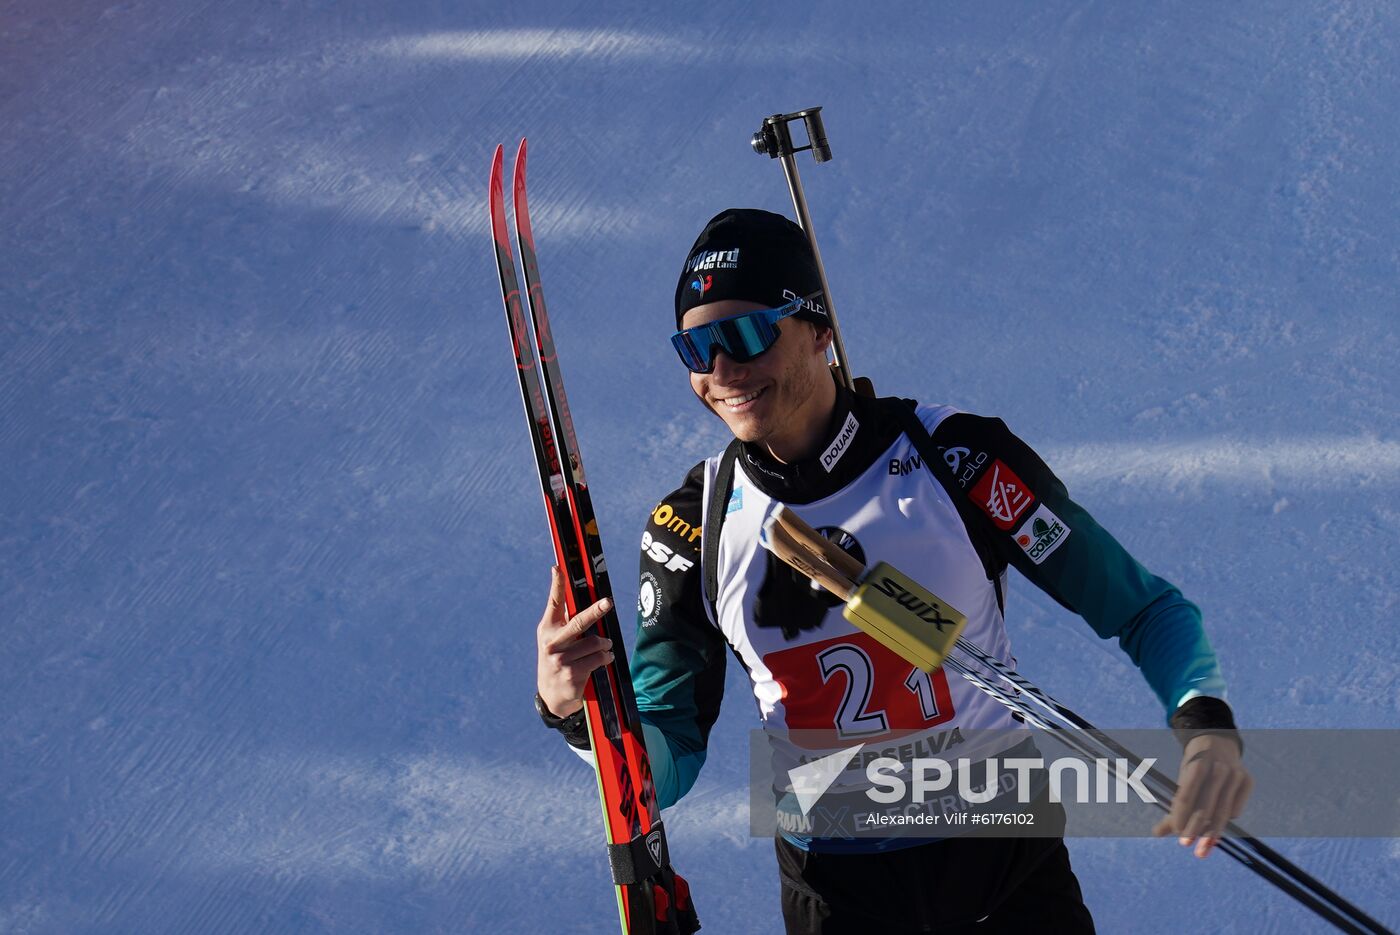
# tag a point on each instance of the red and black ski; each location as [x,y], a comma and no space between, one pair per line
[651,898]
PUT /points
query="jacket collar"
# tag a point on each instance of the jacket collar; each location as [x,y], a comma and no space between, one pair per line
[854,437]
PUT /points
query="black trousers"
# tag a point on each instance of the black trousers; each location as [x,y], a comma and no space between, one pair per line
[960,885]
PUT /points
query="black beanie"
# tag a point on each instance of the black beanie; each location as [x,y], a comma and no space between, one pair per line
[758,256]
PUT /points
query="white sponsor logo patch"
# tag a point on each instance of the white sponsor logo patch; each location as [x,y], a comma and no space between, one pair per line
[663,554]
[654,846]
[649,599]
[842,443]
[1041,534]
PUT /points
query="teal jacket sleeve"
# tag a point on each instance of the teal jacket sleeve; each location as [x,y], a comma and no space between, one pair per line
[679,660]
[1024,515]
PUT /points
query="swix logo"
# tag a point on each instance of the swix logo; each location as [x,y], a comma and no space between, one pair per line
[664,555]
[928,613]
[713,259]
[909,465]
[1002,495]
[702,284]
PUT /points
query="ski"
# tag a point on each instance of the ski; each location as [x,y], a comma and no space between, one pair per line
[651,898]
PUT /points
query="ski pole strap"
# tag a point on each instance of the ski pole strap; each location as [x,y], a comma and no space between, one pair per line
[714,519]
[640,858]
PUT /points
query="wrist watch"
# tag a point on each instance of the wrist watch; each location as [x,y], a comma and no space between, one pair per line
[555,722]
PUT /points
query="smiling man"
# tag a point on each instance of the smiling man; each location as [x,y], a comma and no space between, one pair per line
[753,333]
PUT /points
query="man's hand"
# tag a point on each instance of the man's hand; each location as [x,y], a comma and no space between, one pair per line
[566,657]
[1213,789]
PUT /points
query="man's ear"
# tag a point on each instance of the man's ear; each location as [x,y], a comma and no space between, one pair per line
[823,336]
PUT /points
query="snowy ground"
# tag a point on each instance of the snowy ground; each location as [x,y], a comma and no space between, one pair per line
[272,552]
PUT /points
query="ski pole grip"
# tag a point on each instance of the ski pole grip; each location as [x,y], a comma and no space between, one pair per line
[884,602]
[904,616]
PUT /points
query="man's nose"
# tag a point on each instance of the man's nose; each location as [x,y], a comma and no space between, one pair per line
[726,367]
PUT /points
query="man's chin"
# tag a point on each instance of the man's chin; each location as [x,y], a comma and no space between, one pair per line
[743,427]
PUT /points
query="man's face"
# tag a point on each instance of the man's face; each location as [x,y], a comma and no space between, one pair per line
[766,399]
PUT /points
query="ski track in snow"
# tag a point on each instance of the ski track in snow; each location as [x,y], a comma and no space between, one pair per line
[272,552]
[510,45]
[1329,463]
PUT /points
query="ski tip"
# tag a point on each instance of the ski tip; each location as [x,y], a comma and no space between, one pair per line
[520,169]
[498,164]
[496,199]
[522,207]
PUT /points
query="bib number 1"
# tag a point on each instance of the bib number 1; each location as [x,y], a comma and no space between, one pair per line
[854,685]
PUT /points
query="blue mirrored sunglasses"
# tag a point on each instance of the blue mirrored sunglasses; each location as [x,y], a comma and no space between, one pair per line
[743,337]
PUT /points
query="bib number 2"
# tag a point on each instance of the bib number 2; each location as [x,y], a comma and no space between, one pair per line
[854,685]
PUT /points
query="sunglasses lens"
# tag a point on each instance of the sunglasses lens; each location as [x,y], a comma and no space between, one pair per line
[687,344]
[747,337]
[743,338]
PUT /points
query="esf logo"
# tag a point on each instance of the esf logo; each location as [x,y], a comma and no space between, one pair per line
[663,555]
